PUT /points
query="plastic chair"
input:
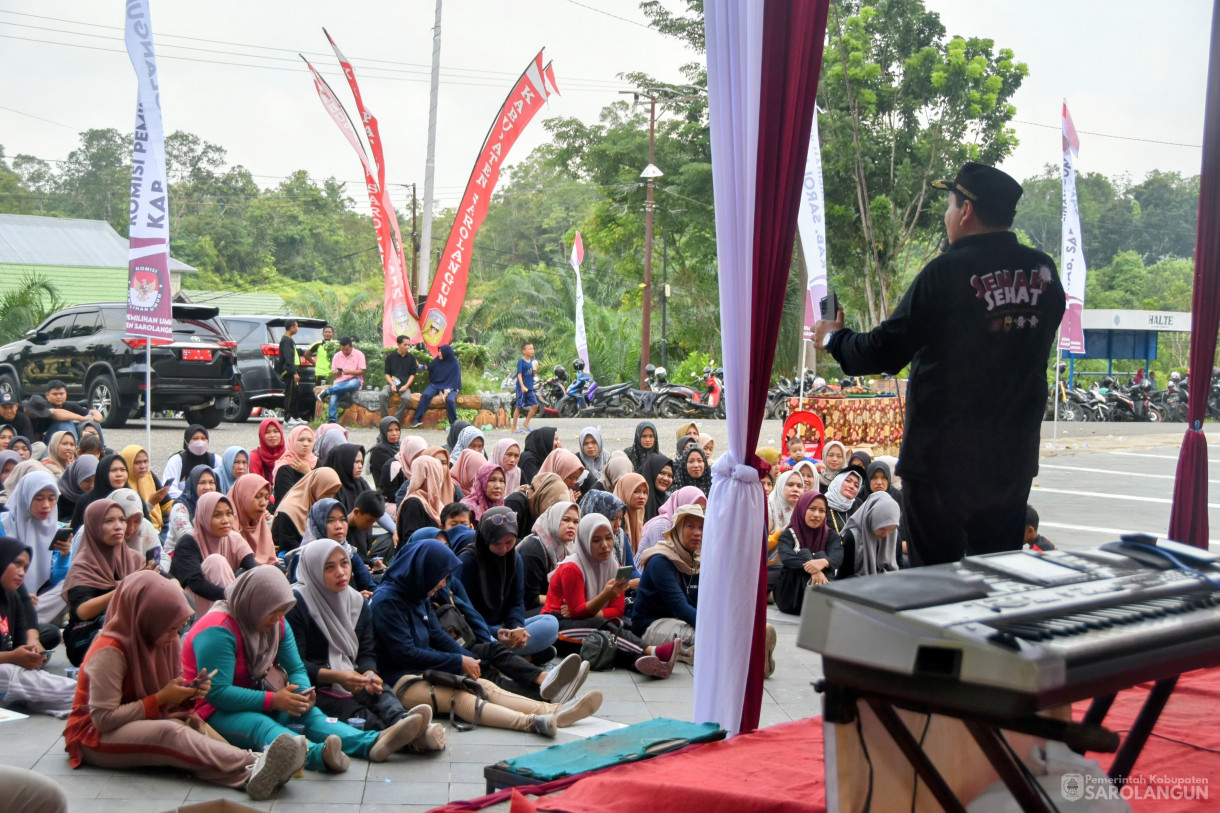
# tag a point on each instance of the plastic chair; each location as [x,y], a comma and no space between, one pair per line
[809,421]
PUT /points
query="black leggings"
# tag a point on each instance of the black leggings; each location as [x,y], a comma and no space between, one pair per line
[573,630]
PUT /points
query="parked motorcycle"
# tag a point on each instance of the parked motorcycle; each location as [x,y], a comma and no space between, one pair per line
[584,397]
[552,390]
[1134,403]
[682,402]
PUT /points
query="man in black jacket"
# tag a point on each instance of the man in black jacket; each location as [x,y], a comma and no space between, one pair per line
[976,327]
[290,375]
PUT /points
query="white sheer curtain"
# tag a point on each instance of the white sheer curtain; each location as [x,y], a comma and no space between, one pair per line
[733,534]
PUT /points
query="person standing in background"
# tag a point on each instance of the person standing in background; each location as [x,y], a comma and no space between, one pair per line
[526,398]
[318,355]
[400,370]
[288,371]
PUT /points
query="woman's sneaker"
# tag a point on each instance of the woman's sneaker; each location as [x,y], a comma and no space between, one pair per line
[433,739]
[545,724]
[333,756]
[275,766]
[558,679]
[578,710]
[397,736]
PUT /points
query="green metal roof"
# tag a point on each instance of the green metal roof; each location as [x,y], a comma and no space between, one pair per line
[76,286]
[232,303]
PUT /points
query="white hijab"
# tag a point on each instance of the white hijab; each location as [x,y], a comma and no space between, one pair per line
[335,614]
[779,512]
[596,573]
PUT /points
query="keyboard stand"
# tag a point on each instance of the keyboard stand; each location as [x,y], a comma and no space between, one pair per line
[1134,742]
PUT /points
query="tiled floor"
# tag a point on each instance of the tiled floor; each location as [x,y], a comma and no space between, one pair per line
[406,784]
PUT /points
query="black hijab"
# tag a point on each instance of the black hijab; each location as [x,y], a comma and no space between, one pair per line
[865,456]
[872,469]
[189,459]
[101,487]
[651,468]
[190,492]
[682,477]
[538,444]
[12,605]
[383,450]
[454,431]
[342,459]
[637,453]
[490,580]
[29,447]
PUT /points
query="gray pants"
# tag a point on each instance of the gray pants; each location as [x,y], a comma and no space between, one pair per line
[664,630]
[27,792]
[386,392]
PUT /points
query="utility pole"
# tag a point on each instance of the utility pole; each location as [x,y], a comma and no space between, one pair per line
[414,244]
[650,174]
[664,299]
[430,164]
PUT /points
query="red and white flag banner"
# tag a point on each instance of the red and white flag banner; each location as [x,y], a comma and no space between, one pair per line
[1071,259]
[448,291]
[149,309]
[399,312]
[582,341]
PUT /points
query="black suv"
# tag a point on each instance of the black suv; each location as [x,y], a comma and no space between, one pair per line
[87,346]
[258,348]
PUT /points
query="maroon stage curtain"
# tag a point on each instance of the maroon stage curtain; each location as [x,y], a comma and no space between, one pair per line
[794,32]
[1188,518]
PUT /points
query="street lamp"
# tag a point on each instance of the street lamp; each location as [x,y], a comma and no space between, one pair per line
[650,174]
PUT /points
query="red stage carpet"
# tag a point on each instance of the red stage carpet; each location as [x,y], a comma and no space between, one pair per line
[780,768]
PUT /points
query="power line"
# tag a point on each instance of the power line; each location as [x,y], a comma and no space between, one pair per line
[615,16]
[40,118]
[1110,135]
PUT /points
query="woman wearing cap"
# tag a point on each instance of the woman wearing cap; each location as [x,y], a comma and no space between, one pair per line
[668,593]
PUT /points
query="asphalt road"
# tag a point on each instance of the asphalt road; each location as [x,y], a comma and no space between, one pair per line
[1096,480]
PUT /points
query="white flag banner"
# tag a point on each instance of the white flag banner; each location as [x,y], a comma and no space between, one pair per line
[811,225]
[149,312]
[582,342]
[1072,268]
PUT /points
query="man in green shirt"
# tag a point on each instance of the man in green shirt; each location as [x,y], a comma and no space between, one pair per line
[317,351]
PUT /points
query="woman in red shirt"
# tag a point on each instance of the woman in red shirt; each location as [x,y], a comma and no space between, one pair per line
[585,596]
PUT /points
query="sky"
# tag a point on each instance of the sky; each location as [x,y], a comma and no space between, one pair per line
[1133,73]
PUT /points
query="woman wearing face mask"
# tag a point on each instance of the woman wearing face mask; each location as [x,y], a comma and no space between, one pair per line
[292,517]
[76,482]
[182,514]
[539,443]
[207,560]
[586,595]
[297,461]
[102,562]
[658,471]
[691,469]
[250,496]
[487,491]
[506,454]
[494,578]
[834,460]
[194,453]
[262,685]
[842,498]
[234,463]
[333,628]
[643,445]
[270,447]
[389,432]
[133,708]
[669,589]
[592,452]
[810,552]
[554,534]
[417,642]
[870,539]
[111,474]
[22,678]
[146,484]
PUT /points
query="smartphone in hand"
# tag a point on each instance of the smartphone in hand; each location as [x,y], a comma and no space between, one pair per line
[202,678]
[830,306]
[624,573]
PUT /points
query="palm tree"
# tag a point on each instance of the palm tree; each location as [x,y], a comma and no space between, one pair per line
[24,307]
[357,315]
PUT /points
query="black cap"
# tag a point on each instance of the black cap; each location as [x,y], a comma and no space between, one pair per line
[989,189]
[7,398]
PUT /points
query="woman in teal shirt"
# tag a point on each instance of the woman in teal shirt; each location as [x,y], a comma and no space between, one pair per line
[261,687]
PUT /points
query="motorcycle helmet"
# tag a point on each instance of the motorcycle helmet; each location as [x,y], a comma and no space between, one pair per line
[650,369]
[1061,367]
[819,382]
[847,382]
[662,374]
[1146,385]
[560,373]
[1108,382]
[1175,376]
[578,365]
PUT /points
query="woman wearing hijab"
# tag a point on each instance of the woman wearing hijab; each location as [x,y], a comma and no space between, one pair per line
[397,472]
[466,468]
[250,496]
[691,469]
[507,454]
[146,484]
[569,467]
[860,458]
[234,463]
[111,474]
[809,473]
[545,490]
[421,508]
[493,577]
[841,497]
[469,438]
[552,540]
[77,480]
[669,589]
[94,428]
[208,559]
[415,641]
[22,678]
[328,520]
[539,443]
[788,489]
[61,451]
[9,460]
[643,445]
[617,466]
[257,691]
[31,519]
[182,514]
[389,433]
[297,461]
[870,539]
[686,430]
[658,526]
[613,509]
[270,447]
[834,460]
[133,708]
[347,460]
[456,428]
[592,451]
[102,562]
[879,478]
[292,516]
[487,492]
[810,552]
[22,446]
[194,453]
[333,628]
[140,535]
[658,471]
[632,489]
[585,595]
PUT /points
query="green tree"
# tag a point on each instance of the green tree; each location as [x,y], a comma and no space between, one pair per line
[21,309]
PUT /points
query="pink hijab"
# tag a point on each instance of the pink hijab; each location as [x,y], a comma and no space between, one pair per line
[289,457]
[233,546]
[254,528]
[411,447]
[563,463]
[477,498]
[512,477]
[467,468]
[659,525]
